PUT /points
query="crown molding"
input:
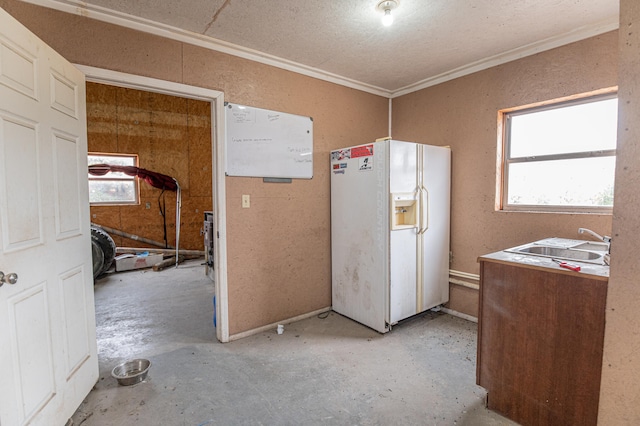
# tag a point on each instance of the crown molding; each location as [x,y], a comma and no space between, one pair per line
[140,24]
[511,55]
[151,27]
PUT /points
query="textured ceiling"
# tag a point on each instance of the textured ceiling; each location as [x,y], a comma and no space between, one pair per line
[430,40]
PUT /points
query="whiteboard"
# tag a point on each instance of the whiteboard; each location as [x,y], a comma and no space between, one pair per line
[264,143]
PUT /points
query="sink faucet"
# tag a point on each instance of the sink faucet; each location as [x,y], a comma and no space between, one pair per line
[597,236]
[594,234]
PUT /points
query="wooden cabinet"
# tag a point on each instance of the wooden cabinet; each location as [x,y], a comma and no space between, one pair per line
[540,339]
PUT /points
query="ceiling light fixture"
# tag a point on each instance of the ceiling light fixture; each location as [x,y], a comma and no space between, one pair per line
[386,6]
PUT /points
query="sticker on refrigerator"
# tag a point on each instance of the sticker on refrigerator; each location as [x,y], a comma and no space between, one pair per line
[365,163]
[341,154]
[362,151]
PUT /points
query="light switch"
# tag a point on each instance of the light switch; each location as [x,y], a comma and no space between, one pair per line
[246,201]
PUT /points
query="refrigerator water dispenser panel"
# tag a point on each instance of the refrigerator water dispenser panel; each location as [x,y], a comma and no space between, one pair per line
[403,211]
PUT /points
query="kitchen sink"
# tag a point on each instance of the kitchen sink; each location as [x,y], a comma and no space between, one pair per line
[569,250]
[560,252]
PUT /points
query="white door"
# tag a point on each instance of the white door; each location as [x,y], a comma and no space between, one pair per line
[47,322]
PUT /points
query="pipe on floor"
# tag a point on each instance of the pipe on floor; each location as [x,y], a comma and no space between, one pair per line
[134,250]
[464,276]
[133,237]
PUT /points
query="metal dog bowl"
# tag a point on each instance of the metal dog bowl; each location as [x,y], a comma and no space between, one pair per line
[131,372]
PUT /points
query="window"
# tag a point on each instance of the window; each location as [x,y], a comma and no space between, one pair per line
[113,188]
[560,156]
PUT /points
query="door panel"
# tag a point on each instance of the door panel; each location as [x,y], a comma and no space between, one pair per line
[67,198]
[64,94]
[32,348]
[18,69]
[21,222]
[74,302]
[47,338]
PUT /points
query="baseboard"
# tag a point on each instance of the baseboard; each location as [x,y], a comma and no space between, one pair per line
[274,325]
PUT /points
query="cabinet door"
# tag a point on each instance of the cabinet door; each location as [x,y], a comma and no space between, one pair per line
[540,344]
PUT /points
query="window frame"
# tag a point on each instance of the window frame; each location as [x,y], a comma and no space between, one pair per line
[134,179]
[504,159]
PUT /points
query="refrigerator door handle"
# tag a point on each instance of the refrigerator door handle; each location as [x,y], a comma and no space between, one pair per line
[420,207]
[424,209]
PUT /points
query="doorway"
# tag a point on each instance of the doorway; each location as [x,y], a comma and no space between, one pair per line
[183,94]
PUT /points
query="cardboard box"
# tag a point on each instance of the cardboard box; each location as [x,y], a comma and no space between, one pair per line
[127,262]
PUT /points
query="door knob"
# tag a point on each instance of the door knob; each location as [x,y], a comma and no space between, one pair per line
[11,278]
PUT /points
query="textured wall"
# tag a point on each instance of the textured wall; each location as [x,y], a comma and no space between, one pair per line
[279,249]
[620,385]
[170,135]
[463,113]
[279,262]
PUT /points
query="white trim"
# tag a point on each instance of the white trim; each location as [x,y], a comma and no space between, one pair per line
[511,55]
[216,98]
[77,7]
[389,134]
[151,27]
[274,325]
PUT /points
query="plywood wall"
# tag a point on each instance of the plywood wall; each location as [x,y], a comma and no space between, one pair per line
[171,136]
[279,263]
[462,113]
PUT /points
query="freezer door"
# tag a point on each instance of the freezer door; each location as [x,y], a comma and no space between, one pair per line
[403,183]
[436,190]
[359,234]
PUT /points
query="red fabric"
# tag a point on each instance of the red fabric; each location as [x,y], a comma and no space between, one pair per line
[157,180]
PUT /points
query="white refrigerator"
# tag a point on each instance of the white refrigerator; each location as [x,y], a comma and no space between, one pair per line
[390,204]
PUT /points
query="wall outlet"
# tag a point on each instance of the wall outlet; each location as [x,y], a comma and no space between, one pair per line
[147,205]
[246,201]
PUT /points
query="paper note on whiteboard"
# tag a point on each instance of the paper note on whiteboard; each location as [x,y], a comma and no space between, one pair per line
[264,143]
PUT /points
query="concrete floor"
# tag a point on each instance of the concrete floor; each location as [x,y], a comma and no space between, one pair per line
[330,371]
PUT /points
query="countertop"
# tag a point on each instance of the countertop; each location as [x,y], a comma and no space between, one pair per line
[539,262]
